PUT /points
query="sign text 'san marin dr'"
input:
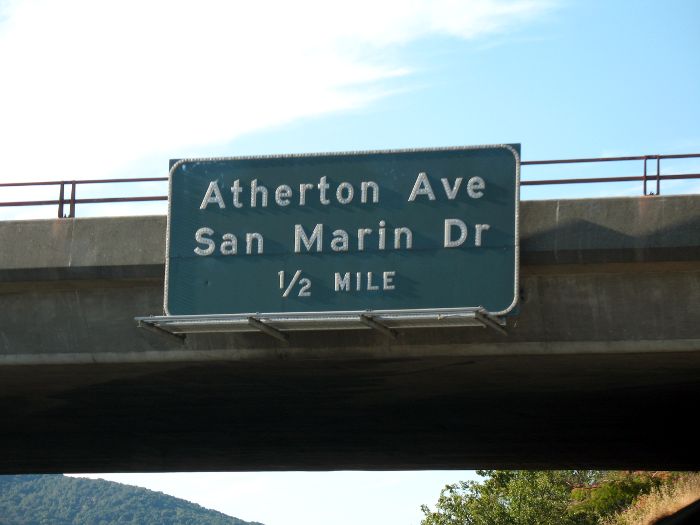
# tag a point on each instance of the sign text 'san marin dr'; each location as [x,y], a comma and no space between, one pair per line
[413,230]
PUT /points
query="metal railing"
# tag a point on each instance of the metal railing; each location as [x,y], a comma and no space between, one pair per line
[645,177]
[72,201]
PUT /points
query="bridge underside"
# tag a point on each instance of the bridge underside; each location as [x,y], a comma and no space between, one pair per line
[616,411]
[601,369]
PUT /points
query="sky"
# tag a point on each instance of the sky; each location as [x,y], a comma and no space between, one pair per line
[97,90]
[312,498]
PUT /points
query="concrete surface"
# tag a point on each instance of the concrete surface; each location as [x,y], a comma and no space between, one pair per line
[596,370]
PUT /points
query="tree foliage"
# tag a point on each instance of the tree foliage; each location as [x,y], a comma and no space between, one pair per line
[615,492]
[522,497]
[61,500]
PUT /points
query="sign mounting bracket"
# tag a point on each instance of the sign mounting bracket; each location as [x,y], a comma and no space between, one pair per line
[489,322]
[267,329]
[279,326]
[158,330]
[379,327]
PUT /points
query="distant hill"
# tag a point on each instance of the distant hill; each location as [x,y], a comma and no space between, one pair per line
[61,500]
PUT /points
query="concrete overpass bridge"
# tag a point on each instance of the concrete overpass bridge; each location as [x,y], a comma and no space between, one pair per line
[600,369]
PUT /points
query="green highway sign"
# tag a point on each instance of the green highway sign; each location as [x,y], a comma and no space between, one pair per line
[431,230]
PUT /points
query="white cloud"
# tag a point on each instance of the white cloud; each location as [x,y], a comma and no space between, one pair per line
[90,88]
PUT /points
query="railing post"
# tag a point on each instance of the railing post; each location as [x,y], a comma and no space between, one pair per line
[72,200]
[658,175]
[645,175]
[60,202]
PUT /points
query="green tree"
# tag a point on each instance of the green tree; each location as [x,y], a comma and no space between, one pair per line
[615,491]
[522,497]
[509,497]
